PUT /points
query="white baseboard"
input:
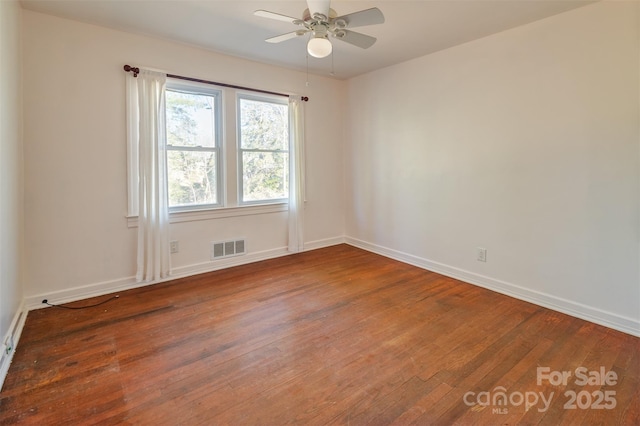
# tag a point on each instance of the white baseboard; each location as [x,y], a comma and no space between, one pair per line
[229,262]
[185,271]
[318,244]
[15,330]
[128,283]
[82,292]
[588,313]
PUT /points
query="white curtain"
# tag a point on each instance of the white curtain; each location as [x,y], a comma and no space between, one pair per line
[148,145]
[296,175]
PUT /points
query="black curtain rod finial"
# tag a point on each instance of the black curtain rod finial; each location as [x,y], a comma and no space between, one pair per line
[134,70]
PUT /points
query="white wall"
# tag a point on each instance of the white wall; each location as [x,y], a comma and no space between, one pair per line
[525,143]
[11,227]
[76,233]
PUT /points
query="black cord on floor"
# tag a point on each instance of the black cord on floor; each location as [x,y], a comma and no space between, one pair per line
[46,302]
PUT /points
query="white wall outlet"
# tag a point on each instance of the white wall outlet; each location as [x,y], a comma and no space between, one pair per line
[175,246]
[481,254]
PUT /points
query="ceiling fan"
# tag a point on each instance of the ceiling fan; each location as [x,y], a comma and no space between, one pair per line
[321,21]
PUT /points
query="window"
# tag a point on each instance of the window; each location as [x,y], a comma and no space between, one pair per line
[227,151]
[194,135]
[263,154]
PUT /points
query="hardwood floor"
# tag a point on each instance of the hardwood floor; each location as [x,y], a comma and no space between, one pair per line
[331,336]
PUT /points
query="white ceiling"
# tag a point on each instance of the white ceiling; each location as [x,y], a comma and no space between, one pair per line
[412,28]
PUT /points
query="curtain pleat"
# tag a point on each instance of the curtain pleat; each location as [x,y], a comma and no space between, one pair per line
[296,175]
[154,261]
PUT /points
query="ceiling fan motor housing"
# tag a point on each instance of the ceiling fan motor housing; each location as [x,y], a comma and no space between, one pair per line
[306,16]
[321,26]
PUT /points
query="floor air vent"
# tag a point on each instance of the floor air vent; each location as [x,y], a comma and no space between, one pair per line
[227,248]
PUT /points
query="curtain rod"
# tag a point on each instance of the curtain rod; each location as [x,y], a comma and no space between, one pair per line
[136,71]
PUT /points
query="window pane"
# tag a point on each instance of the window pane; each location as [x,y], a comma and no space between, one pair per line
[264,125]
[192,178]
[190,119]
[265,176]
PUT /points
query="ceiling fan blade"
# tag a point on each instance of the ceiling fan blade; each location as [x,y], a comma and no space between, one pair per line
[362,18]
[284,37]
[357,39]
[276,16]
[319,6]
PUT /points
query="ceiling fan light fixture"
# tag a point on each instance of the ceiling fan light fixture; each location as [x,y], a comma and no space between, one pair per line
[319,47]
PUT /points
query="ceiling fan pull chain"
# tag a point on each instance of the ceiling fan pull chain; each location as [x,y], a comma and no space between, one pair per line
[307,82]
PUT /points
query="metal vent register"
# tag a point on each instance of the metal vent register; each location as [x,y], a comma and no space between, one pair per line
[222,249]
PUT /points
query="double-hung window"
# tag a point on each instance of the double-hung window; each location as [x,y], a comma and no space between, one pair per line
[198,148]
[263,149]
[194,140]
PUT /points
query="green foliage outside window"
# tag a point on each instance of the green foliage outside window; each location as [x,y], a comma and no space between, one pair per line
[191,172]
[193,152]
[264,129]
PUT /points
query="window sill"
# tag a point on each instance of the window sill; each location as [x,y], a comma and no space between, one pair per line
[218,213]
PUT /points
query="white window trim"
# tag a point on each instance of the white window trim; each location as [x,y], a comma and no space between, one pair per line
[261,98]
[218,96]
[219,213]
[201,212]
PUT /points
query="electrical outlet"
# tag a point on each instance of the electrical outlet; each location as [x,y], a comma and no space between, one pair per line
[174,245]
[481,254]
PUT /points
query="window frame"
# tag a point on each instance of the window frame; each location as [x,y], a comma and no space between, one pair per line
[230,177]
[240,95]
[195,88]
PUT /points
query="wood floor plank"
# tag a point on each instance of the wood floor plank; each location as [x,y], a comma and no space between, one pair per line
[331,336]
